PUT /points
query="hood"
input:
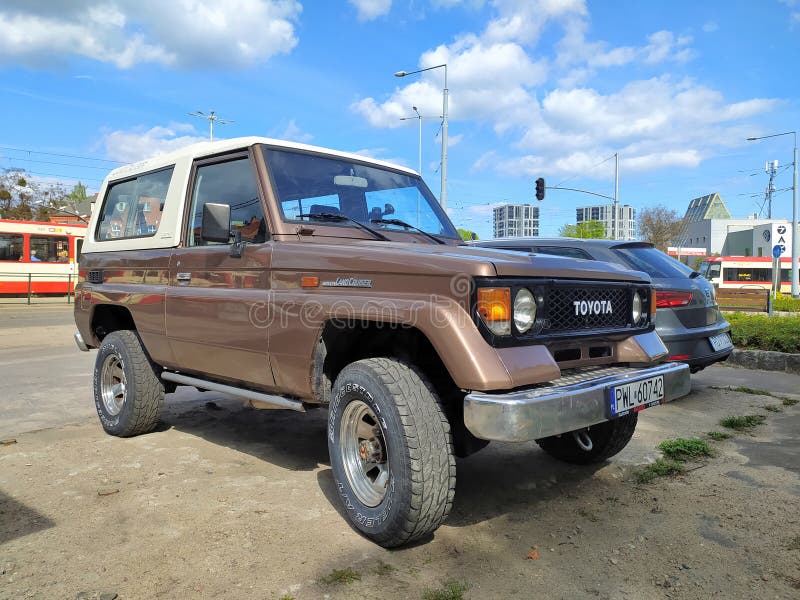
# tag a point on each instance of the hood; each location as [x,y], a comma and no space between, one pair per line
[404,258]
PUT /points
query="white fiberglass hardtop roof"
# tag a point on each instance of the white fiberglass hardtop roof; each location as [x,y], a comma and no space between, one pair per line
[202,149]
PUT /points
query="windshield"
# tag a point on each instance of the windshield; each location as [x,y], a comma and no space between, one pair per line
[653,262]
[308,184]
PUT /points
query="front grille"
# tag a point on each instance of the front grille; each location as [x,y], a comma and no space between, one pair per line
[599,308]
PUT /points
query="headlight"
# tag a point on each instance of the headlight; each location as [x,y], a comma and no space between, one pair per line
[524,310]
[636,311]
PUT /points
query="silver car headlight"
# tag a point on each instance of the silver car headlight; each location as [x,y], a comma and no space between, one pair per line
[524,310]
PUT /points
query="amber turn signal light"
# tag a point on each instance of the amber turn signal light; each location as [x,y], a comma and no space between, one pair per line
[653,306]
[494,308]
[309,281]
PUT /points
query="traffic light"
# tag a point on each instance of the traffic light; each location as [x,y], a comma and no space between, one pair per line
[540,188]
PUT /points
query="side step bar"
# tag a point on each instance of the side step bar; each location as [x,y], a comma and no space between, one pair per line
[257,399]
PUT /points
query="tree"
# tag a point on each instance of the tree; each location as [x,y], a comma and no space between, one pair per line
[586,230]
[21,198]
[661,226]
[467,235]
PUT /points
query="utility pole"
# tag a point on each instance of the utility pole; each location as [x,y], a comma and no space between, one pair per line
[616,196]
[771,169]
[795,241]
[211,118]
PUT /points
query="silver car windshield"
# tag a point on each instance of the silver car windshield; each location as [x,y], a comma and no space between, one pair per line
[309,184]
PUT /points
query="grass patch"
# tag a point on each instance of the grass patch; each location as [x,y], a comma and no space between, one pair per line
[341,576]
[663,467]
[683,449]
[772,408]
[451,590]
[383,568]
[745,390]
[790,401]
[286,597]
[742,422]
[794,543]
[718,436]
[761,332]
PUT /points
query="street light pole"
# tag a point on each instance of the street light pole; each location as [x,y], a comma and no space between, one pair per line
[795,241]
[445,94]
[418,118]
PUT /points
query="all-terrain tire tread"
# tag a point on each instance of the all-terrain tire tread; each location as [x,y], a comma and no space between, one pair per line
[148,391]
[429,443]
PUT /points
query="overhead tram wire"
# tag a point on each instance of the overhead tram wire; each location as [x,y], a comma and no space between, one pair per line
[30,151]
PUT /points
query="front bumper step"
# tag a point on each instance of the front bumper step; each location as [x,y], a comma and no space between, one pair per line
[578,399]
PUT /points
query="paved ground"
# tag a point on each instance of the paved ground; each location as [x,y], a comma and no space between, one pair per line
[225,502]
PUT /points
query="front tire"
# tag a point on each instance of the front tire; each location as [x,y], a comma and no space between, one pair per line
[128,394]
[607,439]
[391,451]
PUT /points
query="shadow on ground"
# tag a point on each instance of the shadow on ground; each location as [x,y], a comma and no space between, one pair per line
[18,520]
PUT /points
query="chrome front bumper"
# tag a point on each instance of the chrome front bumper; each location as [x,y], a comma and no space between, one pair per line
[570,403]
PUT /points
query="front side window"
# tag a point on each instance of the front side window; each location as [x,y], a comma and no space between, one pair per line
[10,246]
[49,248]
[313,184]
[132,208]
[233,183]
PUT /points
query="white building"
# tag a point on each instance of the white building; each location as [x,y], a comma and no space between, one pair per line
[709,225]
[516,220]
[605,214]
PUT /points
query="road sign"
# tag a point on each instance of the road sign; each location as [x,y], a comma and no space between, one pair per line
[777,250]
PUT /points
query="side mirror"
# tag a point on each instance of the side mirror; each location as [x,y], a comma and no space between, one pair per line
[216,224]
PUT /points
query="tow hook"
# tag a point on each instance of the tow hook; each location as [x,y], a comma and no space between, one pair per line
[583,440]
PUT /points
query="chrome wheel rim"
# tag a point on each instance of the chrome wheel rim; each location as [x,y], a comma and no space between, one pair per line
[364,455]
[112,384]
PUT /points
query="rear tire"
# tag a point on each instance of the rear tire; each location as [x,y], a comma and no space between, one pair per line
[391,451]
[607,438]
[128,393]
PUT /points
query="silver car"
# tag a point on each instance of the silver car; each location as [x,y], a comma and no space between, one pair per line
[687,316]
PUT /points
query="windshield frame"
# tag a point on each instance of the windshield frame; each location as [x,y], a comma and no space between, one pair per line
[283,224]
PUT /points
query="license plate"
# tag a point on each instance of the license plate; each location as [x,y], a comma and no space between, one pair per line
[637,395]
[721,341]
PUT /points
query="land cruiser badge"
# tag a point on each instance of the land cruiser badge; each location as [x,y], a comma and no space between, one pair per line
[348,282]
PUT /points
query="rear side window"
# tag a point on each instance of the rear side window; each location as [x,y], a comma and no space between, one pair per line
[653,262]
[132,208]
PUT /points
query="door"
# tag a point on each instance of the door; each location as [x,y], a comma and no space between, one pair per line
[216,302]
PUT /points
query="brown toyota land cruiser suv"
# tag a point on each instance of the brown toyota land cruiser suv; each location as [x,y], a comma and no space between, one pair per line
[297,277]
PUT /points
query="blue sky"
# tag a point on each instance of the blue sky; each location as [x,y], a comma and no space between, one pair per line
[537,88]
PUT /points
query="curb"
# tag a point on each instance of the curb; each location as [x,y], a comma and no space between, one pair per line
[765,360]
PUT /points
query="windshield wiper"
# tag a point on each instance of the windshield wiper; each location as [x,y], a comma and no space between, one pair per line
[334,217]
[400,223]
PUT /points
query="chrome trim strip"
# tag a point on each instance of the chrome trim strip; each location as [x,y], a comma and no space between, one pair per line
[551,410]
[274,401]
[79,340]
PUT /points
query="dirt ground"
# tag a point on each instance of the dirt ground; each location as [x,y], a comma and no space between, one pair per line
[228,502]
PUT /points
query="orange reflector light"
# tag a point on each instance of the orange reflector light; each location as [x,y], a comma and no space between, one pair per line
[653,305]
[494,304]
[309,281]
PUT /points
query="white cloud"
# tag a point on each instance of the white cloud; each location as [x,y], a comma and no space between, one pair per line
[293,133]
[179,33]
[794,10]
[710,27]
[496,76]
[369,10]
[139,143]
